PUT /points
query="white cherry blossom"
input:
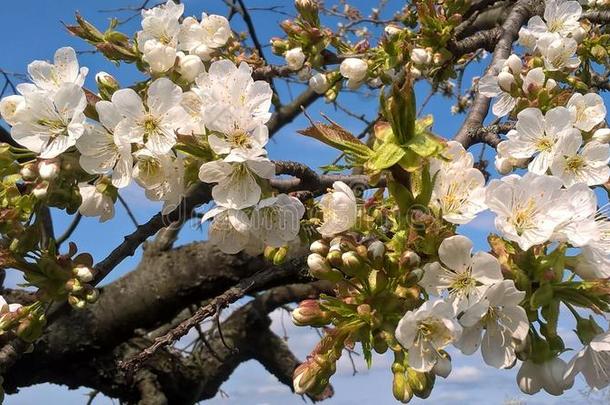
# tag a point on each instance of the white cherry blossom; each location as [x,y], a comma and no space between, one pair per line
[427,330]
[49,77]
[50,124]
[580,227]
[536,135]
[459,194]
[339,210]
[560,17]
[526,207]
[102,150]
[497,323]
[558,53]
[236,179]
[95,203]
[587,110]
[158,39]
[202,38]
[275,220]
[10,106]
[593,361]
[455,158]
[156,125]
[150,169]
[234,130]
[226,86]
[588,165]
[230,229]
[463,276]
[549,376]
[171,188]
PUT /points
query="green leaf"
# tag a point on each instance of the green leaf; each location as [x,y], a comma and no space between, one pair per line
[402,196]
[400,110]
[337,137]
[387,155]
[425,145]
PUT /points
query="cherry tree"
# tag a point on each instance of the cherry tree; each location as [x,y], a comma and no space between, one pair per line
[387,271]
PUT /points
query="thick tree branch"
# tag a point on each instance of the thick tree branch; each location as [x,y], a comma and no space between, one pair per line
[517,16]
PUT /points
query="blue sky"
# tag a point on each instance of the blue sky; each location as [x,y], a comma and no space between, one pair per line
[32,30]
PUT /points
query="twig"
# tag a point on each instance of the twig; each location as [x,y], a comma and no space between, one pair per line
[129,213]
[71,228]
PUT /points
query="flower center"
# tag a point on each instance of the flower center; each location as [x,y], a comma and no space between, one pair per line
[55,127]
[544,144]
[522,218]
[240,139]
[575,163]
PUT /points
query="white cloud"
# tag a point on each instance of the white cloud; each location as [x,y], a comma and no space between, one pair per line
[464,374]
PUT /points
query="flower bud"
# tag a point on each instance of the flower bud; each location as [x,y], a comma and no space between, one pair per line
[409,260]
[334,256]
[378,281]
[401,389]
[320,268]
[76,302]
[74,285]
[376,253]
[514,64]
[106,85]
[421,57]
[92,295]
[550,84]
[190,67]
[83,273]
[320,247]
[295,58]
[280,255]
[392,30]
[579,34]
[40,191]
[587,329]
[309,313]
[421,383]
[279,46]
[353,265]
[415,73]
[506,81]
[319,83]
[311,377]
[48,169]
[308,10]
[602,135]
[354,69]
[28,172]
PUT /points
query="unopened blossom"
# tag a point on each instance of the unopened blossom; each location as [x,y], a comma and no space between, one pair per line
[275,220]
[497,323]
[226,86]
[51,123]
[202,38]
[5,307]
[159,57]
[339,210]
[295,58]
[319,83]
[421,56]
[459,194]
[48,169]
[463,276]
[189,67]
[588,165]
[236,179]
[102,150]
[536,135]
[558,53]
[230,229]
[427,330]
[156,124]
[95,203]
[593,361]
[549,376]
[354,70]
[500,84]
[49,77]
[587,110]
[526,208]
[534,80]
